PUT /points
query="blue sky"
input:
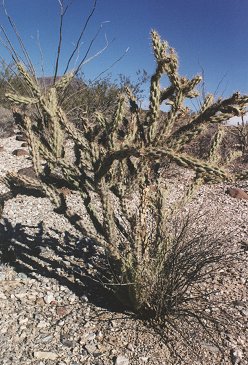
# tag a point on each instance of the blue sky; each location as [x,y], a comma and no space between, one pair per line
[207,34]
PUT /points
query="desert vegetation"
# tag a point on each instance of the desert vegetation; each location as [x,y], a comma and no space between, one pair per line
[155,258]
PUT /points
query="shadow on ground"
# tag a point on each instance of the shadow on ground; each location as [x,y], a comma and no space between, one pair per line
[69,261]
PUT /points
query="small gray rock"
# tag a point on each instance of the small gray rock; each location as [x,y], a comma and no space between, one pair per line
[22,276]
[2,276]
[47,339]
[91,348]
[236,356]
[66,342]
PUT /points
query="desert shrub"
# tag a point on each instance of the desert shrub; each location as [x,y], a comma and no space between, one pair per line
[115,169]
[6,123]
[82,99]
[231,149]
[239,133]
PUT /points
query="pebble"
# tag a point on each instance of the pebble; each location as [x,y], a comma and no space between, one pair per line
[42,324]
[22,276]
[47,339]
[2,276]
[130,347]
[22,320]
[144,359]
[236,356]
[91,336]
[49,298]
[121,360]
[2,295]
[45,355]
[66,342]
[91,348]
[245,312]
[84,298]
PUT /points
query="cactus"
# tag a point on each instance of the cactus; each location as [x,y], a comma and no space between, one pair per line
[131,146]
[125,145]
[115,159]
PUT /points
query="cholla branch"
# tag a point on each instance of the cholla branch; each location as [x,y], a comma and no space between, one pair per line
[214,157]
[33,145]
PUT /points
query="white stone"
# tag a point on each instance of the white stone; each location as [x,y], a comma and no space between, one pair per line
[2,295]
[121,360]
[45,355]
[144,358]
[42,324]
[48,298]
[23,320]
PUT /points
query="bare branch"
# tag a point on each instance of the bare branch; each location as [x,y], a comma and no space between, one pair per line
[41,54]
[62,14]
[97,53]
[88,50]
[112,65]
[80,36]
[23,48]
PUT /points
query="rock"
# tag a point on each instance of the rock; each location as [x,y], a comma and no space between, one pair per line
[42,324]
[21,295]
[210,347]
[2,295]
[24,144]
[61,311]
[2,276]
[49,298]
[91,336]
[65,191]
[28,171]
[130,347]
[45,355]
[20,152]
[237,193]
[121,360]
[47,339]
[21,137]
[40,302]
[66,342]
[91,348]
[84,298]
[22,276]
[236,356]
[1,148]
[23,321]
[244,312]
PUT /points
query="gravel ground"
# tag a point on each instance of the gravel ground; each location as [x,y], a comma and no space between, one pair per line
[49,315]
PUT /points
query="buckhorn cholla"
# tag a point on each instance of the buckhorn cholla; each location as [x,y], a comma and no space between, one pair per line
[114,158]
